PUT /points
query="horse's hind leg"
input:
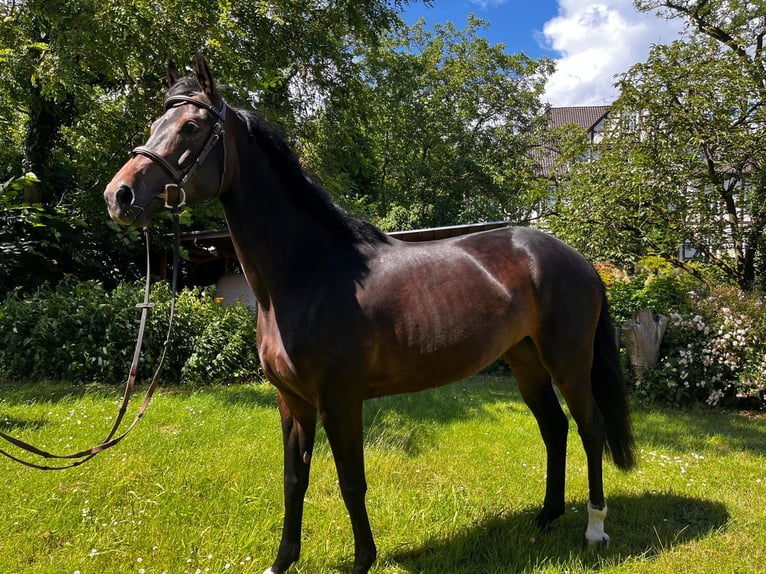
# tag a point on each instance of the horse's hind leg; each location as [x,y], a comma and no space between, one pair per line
[298,432]
[343,425]
[578,395]
[536,389]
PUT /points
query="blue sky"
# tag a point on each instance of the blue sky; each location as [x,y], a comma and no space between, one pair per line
[517,24]
[591,41]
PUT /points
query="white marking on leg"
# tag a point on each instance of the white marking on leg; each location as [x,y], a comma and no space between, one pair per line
[268,571]
[595,534]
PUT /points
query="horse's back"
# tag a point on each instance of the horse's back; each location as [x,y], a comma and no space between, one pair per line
[514,259]
[442,310]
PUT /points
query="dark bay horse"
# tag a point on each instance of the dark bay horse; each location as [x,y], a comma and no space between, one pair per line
[346,313]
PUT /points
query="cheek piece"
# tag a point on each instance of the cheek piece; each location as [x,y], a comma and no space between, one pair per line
[174,194]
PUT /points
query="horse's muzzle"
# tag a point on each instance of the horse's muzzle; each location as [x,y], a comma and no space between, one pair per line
[122,205]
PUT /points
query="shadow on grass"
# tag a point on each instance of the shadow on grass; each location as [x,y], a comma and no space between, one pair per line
[26,395]
[641,527]
[443,404]
[692,429]
[262,395]
[405,422]
[8,424]
[13,393]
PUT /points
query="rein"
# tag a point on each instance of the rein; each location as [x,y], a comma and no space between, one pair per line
[112,438]
[174,197]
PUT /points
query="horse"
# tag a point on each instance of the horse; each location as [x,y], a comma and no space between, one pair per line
[347,313]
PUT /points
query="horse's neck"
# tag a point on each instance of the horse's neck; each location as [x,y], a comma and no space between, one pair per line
[271,233]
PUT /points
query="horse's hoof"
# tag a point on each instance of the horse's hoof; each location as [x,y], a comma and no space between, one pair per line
[545,519]
[601,543]
[595,537]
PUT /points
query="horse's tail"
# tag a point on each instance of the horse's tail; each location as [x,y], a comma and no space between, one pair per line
[610,393]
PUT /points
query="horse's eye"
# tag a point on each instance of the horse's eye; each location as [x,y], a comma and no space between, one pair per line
[190,127]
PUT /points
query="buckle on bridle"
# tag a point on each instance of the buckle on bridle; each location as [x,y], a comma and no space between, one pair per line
[174,197]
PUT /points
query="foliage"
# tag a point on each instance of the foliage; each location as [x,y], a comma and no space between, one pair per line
[681,170]
[655,284]
[80,331]
[436,131]
[714,349]
[90,73]
[41,244]
[81,80]
[210,342]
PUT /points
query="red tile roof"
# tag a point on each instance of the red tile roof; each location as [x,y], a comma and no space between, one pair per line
[587,117]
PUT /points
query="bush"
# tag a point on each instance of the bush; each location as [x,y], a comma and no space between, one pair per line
[656,285]
[79,331]
[715,354]
[714,350]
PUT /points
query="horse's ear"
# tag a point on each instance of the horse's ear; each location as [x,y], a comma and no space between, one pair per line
[173,75]
[205,79]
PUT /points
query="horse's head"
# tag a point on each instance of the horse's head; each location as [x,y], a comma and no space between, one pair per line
[184,159]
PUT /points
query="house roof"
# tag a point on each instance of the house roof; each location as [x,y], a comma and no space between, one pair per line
[586,117]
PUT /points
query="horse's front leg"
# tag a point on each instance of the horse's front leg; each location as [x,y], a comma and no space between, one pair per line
[298,432]
[343,425]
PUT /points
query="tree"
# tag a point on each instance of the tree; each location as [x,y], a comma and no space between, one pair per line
[435,132]
[81,80]
[683,166]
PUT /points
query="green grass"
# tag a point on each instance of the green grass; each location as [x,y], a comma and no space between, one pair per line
[456,476]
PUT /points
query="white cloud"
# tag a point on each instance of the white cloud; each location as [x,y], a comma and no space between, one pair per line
[593,42]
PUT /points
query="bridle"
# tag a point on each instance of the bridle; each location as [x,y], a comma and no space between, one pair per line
[174,197]
[174,194]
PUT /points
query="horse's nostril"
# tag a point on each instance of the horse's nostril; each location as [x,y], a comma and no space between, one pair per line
[124,197]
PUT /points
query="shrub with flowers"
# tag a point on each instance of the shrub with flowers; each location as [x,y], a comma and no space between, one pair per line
[716,355]
[714,350]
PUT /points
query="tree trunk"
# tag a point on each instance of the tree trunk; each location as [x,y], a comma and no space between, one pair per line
[42,132]
[642,336]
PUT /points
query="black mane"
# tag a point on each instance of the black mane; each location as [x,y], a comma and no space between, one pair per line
[307,193]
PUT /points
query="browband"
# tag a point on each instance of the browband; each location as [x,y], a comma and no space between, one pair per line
[174,101]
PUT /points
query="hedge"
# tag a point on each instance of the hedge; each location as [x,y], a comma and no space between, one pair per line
[80,331]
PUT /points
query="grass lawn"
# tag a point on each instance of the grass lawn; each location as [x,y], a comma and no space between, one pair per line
[455,477]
